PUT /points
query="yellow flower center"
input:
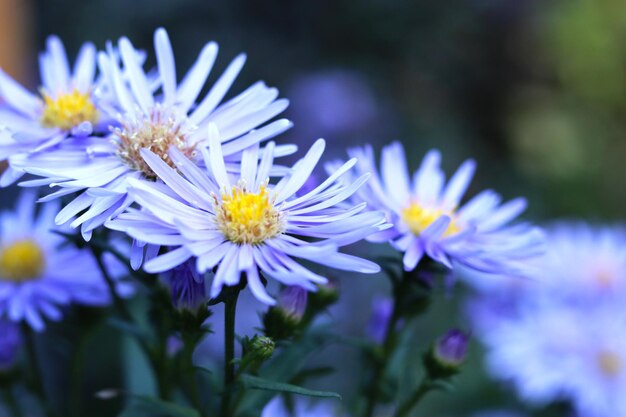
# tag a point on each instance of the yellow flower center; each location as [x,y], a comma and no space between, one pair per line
[248,218]
[418,218]
[21,261]
[157,133]
[610,363]
[68,110]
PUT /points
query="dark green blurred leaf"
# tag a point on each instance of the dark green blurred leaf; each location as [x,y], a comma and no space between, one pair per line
[128,328]
[255,382]
[141,406]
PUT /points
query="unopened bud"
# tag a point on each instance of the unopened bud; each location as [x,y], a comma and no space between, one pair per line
[186,286]
[292,301]
[262,347]
[451,349]
[447,354]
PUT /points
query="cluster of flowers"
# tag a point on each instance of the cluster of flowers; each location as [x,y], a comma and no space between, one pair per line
[560,334]
[193,181]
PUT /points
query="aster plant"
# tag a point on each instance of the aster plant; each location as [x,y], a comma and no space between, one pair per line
[183,205]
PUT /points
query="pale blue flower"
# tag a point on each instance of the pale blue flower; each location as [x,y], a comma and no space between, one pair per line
[41,272]
[560,335]
[429,218]
[70,103]
[559,351]
[241,223]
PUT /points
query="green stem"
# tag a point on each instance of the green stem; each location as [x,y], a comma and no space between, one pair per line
[412,401]
[158,356]
[36,379]
[194,393]
[117,300]
[76,378]
[381,365]
[230,308]
[160,363]
[9,399]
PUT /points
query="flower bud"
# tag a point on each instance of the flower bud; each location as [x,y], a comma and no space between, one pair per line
[447,354]
[262,347]
[282,321]
[186,286]
[292,301]
[451,349]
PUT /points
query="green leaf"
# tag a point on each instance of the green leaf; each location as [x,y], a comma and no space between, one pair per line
[144,406]
[129,328]
[255,382]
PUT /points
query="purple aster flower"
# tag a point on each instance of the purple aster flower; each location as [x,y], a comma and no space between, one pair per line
[40,271]
[241,223]
[334,103]
[70,103]
[154,117]
[429,219]
[560,351]
[377,327]
[597,261]
[10,343]
[186,285]
[560,334]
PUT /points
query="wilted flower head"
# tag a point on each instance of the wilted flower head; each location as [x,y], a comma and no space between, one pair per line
[429,219]
[243,224]
[40,272]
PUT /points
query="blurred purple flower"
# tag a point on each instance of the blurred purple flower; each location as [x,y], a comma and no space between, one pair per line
[377,327]
[302,408]
[333,103]
[40,272]
[10,343]
[174,345]
[560,334]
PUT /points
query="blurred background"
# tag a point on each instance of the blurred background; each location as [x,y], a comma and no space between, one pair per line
[534,90]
